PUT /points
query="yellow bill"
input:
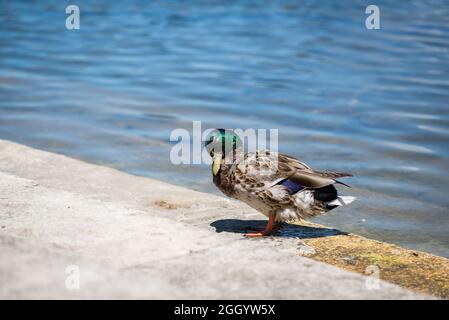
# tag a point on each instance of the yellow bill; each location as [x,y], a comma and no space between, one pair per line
[216,164]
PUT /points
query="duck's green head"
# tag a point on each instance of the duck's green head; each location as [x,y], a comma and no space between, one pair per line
[221,143]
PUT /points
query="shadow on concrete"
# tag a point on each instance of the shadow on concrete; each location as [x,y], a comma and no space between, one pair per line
[288,230]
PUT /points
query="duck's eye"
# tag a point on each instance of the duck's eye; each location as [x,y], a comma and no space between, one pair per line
[211,148]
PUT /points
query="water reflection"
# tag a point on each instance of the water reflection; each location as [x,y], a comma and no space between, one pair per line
[374,103]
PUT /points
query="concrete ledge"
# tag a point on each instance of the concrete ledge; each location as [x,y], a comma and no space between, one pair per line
[134,237]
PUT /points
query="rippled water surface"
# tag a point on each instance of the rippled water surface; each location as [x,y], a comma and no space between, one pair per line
[371,102]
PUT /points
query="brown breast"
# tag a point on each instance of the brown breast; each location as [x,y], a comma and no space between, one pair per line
[224,180]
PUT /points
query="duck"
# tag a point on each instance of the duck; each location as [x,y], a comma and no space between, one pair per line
[277,185]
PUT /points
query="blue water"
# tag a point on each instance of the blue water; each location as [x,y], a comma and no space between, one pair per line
[371,102]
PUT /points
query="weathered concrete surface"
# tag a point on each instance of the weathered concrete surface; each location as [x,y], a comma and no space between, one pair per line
[411,269]
[134,237]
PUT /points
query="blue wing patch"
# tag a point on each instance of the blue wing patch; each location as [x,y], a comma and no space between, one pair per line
[291,186]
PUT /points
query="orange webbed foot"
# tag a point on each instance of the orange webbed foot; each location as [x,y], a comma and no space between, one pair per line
[268,229]
[256,234]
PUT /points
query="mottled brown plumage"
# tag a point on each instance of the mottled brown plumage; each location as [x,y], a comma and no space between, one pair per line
[278,185]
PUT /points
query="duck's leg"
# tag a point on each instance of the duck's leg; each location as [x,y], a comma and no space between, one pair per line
[276,227]
[268,229]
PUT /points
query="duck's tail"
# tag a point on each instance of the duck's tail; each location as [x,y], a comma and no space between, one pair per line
[341,200]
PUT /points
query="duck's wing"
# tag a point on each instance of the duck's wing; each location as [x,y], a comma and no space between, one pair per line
[273,168]
[318,179]
[302,174]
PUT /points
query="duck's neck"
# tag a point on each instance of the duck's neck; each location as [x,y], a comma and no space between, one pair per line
[234,156]
[223,179]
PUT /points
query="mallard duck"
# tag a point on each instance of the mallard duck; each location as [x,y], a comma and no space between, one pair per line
[278,185]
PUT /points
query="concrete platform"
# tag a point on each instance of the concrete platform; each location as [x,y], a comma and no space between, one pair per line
[133,237]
